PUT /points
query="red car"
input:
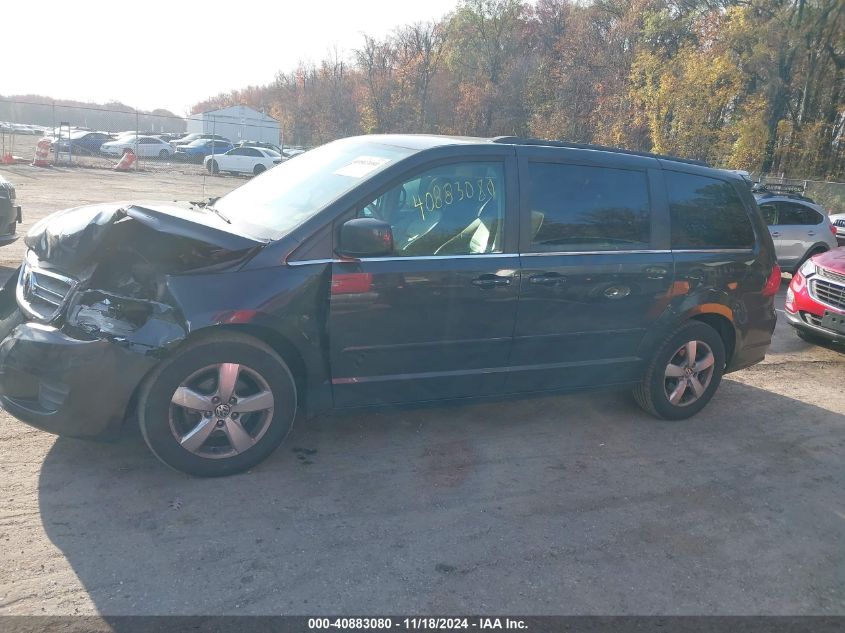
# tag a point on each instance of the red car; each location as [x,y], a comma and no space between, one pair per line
[815,301]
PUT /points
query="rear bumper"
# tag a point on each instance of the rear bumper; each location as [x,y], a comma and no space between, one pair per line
[67,386]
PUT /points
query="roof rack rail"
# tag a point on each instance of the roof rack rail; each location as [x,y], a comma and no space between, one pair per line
[517,140]
[796,192]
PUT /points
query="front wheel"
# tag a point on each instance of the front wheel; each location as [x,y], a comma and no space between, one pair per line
[163,153]
[258,170]
[213,167]
[684,372]
[219,406]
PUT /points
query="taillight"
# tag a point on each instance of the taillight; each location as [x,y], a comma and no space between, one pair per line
[832,229]
[772,283]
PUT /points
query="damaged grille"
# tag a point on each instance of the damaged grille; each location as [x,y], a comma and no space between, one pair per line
[42,293]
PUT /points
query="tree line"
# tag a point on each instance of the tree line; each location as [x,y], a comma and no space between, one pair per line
[745,84]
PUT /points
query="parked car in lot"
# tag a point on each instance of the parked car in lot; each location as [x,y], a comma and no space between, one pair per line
[243,160]
[197,136]
[815,300]
[143,146]
[196,151]
[81,142]
[10,212]
[838,221]
[800,228]
[387,270]
[170,138]
[260,144]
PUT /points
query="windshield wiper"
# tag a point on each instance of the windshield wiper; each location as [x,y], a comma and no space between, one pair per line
[219,214]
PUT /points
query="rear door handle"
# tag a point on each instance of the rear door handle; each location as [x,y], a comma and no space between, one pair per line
[775,234]
[547,279]
[811,232]
[491,281]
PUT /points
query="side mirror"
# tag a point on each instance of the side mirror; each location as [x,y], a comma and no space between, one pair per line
[365,237]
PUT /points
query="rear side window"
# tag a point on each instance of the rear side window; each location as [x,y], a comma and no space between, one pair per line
[586,208]
[706,213]
[791,213]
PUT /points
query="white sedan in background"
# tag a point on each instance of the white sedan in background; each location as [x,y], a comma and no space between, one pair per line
[143,146]
[243,160]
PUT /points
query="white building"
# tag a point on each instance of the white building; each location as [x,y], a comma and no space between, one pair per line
[237,123]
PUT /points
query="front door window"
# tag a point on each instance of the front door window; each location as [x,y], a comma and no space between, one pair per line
[455,209]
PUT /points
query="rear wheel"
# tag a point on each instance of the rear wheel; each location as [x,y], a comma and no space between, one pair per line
[213,167]
[258,169]
[163,153]
[684,373]
[219,406]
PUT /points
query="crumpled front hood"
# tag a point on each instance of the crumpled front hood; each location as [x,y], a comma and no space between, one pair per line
[74,236]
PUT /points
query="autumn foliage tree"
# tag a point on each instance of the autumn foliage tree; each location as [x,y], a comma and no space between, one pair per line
[748,84]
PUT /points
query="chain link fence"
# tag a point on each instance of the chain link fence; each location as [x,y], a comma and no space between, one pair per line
[830,195]
[85,136]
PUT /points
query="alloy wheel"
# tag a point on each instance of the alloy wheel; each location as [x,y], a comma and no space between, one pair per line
[689,373]
[221,410]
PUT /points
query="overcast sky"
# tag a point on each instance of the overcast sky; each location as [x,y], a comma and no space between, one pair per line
[172,53]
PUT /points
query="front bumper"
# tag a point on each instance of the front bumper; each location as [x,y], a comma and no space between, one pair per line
[65,385]
[795,320]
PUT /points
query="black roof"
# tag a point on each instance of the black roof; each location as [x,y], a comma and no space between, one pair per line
[516,140]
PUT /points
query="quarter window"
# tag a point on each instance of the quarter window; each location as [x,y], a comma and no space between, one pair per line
[706,213]
[456,209]
[585,208]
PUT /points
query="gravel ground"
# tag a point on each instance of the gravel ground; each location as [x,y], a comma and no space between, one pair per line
[557,505]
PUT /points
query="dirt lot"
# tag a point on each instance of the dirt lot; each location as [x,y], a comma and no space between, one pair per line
[568,504]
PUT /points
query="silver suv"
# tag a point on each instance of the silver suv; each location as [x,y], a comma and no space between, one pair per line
[800,228]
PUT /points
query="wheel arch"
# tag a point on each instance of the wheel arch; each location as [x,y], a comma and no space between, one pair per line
[277,342]
[724,327]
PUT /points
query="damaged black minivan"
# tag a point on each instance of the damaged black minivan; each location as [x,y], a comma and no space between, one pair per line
[385,270]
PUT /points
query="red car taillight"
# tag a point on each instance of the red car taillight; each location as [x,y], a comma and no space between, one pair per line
[772,283]
[833,230]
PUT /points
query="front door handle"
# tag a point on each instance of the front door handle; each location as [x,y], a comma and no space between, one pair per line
[547,279]
[491,281]
[811,232]
[775,234]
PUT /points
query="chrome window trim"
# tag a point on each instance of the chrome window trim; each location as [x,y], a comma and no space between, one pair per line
[749,251]
[664,251]
[400,259]
[613,252]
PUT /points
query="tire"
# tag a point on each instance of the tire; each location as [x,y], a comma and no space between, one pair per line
[196,443]
[163,153]
[258,170]
[653,393]
[213,167]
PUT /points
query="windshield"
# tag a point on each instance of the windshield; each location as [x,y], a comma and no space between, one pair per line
[284,197]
